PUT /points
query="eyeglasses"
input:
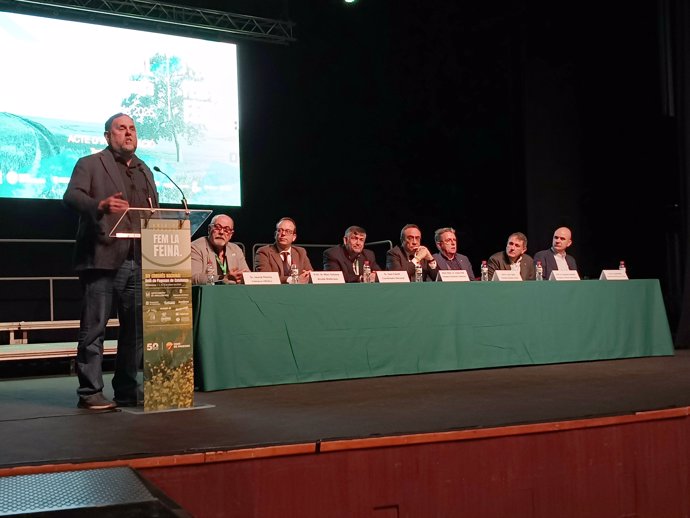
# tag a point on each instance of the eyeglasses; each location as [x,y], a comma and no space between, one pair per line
[226,230]
[286,231]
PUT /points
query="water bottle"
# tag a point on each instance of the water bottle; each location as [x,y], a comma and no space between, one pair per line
[418,275]
[621,266]
[485,271]
[210,272]
[540,271]
[294,274]
[366,272]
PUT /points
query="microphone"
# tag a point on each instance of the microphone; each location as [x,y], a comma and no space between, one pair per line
[184,200]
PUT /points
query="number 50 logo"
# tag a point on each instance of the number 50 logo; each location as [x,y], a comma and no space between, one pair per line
[152,346]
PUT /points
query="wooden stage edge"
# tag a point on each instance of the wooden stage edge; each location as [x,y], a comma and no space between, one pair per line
[352,444]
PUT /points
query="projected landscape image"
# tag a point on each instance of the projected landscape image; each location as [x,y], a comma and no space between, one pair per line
[68,78]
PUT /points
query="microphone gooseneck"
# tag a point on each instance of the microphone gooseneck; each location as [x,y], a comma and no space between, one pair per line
[140,166]
[184,199]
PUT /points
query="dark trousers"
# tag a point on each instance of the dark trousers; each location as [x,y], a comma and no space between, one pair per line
[104,289]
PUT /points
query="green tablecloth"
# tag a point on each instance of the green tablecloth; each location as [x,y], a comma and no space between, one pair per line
[264,335]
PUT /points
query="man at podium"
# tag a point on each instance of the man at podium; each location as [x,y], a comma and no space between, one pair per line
[103,186]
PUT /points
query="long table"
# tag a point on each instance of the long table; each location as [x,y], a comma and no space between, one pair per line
[248,336]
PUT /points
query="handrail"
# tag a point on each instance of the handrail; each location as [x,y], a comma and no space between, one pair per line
[256,246]
[382,242]
[24,327]
[50,283]
[51,279]
[37,241]
[72,241]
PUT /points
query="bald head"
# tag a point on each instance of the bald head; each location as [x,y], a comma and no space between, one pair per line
[562,239]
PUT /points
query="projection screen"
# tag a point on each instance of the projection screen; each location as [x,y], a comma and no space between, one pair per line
[61,81]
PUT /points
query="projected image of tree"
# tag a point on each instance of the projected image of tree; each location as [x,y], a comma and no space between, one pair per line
[182,92]
[160,113]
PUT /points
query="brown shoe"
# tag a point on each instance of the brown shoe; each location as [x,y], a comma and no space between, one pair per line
[95,401]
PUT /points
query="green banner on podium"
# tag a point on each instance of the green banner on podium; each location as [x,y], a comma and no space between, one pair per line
[167,314]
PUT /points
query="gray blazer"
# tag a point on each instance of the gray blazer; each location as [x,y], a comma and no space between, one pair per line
[202,252]
[268,260]
[95,178]
[501,261]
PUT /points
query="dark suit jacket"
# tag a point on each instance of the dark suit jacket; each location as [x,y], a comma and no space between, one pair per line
[397,260]
[548,262]
[444,264]
[338,259]
[268,260]
[501,261]
[94,178]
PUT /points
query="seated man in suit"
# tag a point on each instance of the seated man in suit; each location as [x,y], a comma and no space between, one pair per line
[410,253]
[513,258]
[556,257]
[226,259]
[349,257]
[280,255]
[447,256]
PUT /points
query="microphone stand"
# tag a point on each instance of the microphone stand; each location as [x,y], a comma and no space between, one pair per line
[148,192]
[184,200]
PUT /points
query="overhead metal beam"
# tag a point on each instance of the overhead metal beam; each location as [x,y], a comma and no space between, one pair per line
[161,17]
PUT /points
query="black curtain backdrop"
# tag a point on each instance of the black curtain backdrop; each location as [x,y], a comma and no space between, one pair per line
[491,118]
[680,108]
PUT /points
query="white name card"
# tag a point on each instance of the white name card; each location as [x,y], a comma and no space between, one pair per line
[258,278]
[564,275]
[329,277]
[386,276]
[613,275]
[452,276]
[506,275]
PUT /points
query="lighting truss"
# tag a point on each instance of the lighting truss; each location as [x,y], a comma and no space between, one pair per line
[166,17]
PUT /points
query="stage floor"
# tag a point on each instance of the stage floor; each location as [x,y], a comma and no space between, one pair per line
[40,423]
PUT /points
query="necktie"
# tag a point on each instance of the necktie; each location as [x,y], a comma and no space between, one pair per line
[355,265]
[286,263]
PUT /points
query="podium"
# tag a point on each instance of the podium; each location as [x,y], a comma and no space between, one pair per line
[166,301]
